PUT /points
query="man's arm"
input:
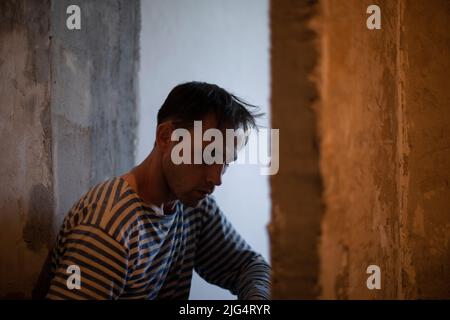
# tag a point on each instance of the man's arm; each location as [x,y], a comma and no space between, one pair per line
[101,260]
[225,259]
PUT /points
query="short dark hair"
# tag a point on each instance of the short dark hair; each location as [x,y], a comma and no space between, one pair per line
[192,101]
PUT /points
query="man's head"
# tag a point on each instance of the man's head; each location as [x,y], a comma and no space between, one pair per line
[216,108]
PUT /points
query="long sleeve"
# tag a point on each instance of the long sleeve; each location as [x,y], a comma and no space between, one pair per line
[102,263]
[225,259]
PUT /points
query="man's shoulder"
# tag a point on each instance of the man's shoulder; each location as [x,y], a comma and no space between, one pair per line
[97,191]
[98,205]
[109,206]
[105,193]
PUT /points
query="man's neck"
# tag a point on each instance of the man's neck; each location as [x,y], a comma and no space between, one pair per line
[148,182]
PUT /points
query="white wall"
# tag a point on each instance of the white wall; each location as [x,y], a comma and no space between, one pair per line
[225,42]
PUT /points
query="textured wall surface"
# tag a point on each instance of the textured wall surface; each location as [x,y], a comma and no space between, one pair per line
[385,150]
[384,129]
[26,189]
[93,95]
[296,188]
[425,202]
[361,130]
[67,107]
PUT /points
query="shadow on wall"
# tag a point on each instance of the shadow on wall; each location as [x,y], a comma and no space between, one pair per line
[38,233]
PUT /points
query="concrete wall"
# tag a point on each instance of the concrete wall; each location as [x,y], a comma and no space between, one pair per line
[296,189]
[94,95]
[385,150]
[383,124]
[67,120]
[26,189]
[361,130]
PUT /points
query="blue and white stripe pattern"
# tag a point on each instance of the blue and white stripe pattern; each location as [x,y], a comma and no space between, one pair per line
[127,250]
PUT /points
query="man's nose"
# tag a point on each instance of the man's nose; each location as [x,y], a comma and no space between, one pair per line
[214,175]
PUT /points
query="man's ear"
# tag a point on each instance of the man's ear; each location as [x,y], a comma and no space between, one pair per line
[163,134]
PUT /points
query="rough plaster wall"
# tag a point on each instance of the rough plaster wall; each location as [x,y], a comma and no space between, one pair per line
[296,188]
[359,150]
[425,205]
[67,120]
[384,153]
[26,202]
[384,127]
[93,95]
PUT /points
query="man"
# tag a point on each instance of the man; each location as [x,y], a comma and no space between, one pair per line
[139,236]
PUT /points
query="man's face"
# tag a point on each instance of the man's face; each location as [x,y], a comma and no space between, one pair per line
[190,183]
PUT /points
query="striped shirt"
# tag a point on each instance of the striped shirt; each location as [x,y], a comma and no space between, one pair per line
[126,250]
